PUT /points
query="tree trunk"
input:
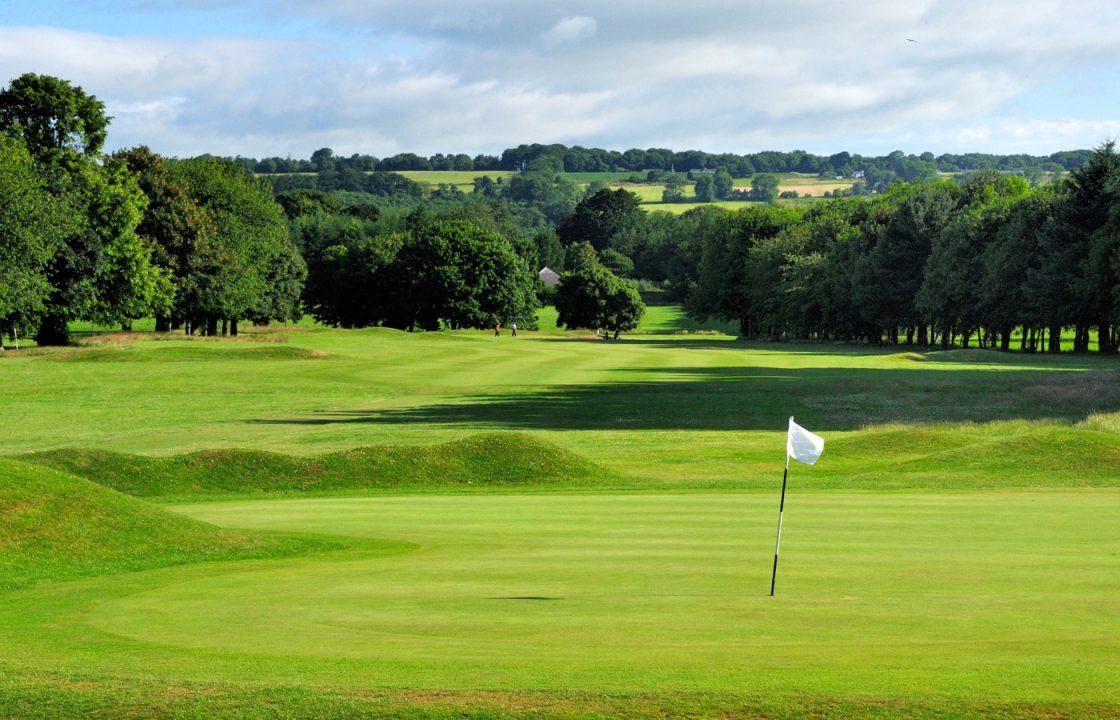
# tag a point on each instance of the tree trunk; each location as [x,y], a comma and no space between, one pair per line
[225,326]
[966,337]
[211,326]
[233,327]
[923,338]
[909,336]
[946,338]
[1104,338]
[53,331]
[1055,339]
[1005,340]
[163,323]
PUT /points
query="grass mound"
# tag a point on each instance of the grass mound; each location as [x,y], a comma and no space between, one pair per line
[56,526]
[485,460]
[183,352]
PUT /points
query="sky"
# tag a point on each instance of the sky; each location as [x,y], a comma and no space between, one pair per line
[285,77]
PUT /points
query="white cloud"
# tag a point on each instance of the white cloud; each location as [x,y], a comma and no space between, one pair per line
[384,76]
[576,27]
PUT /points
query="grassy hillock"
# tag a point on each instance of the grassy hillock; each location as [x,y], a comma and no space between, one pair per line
[56,526]
[491,459]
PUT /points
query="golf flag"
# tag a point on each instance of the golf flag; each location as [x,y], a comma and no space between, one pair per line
[802,445]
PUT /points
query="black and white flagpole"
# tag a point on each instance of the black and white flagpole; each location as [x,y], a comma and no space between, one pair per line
[778,542]
[802,446]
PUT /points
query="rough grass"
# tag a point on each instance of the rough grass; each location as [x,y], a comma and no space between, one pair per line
[56,526]
[47,697]
[493,460]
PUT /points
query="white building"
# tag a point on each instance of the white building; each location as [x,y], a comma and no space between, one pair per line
[549,277]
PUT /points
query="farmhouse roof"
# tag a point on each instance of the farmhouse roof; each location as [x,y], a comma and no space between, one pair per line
[549,277]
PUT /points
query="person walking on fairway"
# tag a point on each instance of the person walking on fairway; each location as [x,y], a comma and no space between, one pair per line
[497,329]
[513,328]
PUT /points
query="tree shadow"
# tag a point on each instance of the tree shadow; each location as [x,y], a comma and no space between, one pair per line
[761,398]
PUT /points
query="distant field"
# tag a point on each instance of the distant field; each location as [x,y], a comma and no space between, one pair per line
[464,179]
[678,208]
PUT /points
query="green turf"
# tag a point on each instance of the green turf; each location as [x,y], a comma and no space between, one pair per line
[953,554]
[943,599]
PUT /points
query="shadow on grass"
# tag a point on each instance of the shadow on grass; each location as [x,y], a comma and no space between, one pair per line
[761,398]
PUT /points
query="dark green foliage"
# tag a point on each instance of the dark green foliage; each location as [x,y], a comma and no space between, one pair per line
[722,184]
[52,117]
[705,188]
[458,275]
[434,273]
[764,187]
[591,296]
[600,217]
[304,201]
[32,225]
[249,268]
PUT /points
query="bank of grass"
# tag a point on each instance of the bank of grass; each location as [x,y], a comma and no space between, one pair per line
[483,462]
[56,526]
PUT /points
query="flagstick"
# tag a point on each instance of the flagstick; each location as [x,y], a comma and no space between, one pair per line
[778,543]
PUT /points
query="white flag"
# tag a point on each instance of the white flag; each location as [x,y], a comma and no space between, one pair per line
[802,445]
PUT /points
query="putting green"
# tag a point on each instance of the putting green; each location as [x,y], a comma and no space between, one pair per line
[1008,595]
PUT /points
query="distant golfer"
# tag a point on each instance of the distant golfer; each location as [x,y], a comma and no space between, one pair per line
[513,327]
[497,329]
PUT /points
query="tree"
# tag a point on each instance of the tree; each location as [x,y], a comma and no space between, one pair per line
[32,226]
[52,117]
[705,188]
[591,296]
[231,275]
[599,218]
[102,270]
[323,159]
[348,276]
[454,273]
[722,184]
[173,223]
[765,187]
[1087,227]
[674,189]
[888,275]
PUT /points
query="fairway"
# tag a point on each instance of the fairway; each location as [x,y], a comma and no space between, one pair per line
[372,522]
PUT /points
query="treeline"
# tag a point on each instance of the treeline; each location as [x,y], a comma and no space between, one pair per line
[84,236]
[884,168]
[202,244]
[985,260]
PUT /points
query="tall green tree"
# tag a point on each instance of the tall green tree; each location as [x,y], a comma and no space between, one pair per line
[455,274]
[32,226]
[102,270]
[591,296]
[52,117]
[599,218]
[232,275]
